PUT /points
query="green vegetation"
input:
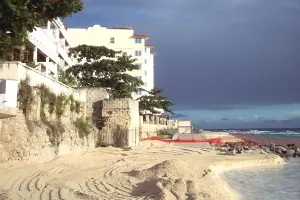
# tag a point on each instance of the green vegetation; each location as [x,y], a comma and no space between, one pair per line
[72,103]
[56,104]
[77,107]
[18,17]
[47,98]
[61,102]
[83,127]
[25,96]
[154,101]
[67,79]
[166,133]
[55,129]
[103,67]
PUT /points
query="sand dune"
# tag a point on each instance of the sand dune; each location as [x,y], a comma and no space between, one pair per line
[154,170]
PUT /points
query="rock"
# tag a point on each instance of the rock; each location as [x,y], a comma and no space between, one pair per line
[281,148]
[263,152]
[233,152]
[266,149]
[290,152]
[246,148]
[240,149]
[272,147]
[254,147]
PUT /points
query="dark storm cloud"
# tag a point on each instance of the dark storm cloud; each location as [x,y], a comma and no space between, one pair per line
[272,121]
[215,54]
[179,115]
[224,119]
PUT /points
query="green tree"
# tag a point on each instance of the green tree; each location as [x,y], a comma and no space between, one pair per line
[68,79]
[103,67]
[153,102]
[17,17]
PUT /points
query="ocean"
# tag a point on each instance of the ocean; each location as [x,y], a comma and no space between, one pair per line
[268,183]
[284,133]
[272,183]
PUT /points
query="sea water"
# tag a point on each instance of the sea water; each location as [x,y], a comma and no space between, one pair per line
[284,133]
[268,183]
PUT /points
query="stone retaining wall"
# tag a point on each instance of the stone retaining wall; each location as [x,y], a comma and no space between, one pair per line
[120,122]
[27,138]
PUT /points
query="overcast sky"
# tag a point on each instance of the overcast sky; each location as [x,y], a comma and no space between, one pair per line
[223,63]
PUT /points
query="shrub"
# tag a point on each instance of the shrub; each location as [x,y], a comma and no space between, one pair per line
[54,132]
[83,127]
[166,133]
[77,107]
[61,102]
[52,102]
[57,104]
[47,97]
[72,103]
[25,96]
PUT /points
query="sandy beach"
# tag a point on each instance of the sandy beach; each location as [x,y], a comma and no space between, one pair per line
[153,170]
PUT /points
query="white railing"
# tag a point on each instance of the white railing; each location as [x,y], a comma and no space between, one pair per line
[63,53]
[44,42]
[19,71]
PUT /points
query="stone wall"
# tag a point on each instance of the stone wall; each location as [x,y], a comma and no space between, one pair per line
[120,123]
[93,105]
[27,138]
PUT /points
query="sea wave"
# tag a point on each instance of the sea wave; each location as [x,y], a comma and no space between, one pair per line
[265,132]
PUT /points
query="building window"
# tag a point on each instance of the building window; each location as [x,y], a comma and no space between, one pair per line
[138,40]
[145,61]
[145,73]
[138,53]
[139,66]
[112,40]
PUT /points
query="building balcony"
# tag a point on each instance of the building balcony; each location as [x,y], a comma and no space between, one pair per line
[64,55]
[44,42]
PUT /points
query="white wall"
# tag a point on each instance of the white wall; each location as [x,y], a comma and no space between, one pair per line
[9,97]
[184,123]
[17,71]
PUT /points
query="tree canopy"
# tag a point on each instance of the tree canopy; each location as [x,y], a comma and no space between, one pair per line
[154,102]
[67,79]
[17,17]
[99,66]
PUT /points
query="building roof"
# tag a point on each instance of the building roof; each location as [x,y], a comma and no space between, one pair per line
[140,36]
[153,53]
[149,46]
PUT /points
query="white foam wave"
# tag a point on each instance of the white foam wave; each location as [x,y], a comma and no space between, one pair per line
[264,132]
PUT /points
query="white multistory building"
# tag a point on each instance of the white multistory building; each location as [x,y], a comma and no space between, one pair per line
[120,39]
[49,45]
[45,56]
